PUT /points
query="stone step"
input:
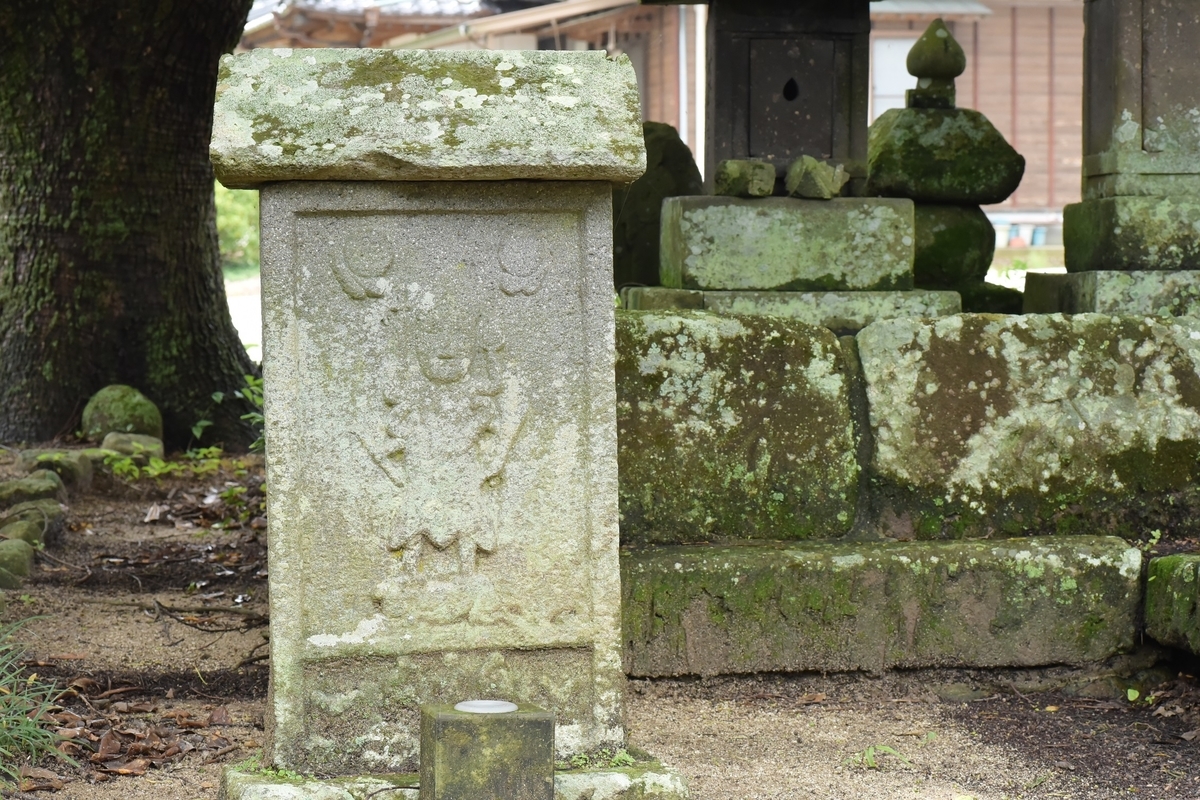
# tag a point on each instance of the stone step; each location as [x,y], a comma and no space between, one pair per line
[843,313]
[1173,601]
[1153,294]
[706,610]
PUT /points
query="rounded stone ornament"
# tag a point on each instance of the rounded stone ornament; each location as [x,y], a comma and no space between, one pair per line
[486,707]
[936,54]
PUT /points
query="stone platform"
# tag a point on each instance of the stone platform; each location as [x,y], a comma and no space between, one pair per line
[771,607]
[843,313]
[1148,293]
[647,780]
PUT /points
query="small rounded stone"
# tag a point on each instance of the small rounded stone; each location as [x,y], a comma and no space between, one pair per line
[936,54]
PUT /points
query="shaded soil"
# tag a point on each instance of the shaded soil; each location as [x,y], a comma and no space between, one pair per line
[156,633]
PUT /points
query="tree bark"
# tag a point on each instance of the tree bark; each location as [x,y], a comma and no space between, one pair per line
[109,263]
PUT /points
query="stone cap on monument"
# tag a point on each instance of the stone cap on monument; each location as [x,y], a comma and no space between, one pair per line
[425,115]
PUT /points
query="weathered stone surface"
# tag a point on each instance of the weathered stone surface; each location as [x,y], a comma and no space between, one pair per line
[1132,233]
[982,297]
[1173,601]
[8,581]
[487,755]
[650,781]
[1153,294]
[16,556]
[38,485]
[872,606]
[361,114]
[440,381]
[815,180]
[780,243]
[637,209]
[953,156]
[122,409]
[72,466]
[841,312]
[660,298]
[132,444]
[954,245]
[25,530]
[986,425]
[731,428]
[738,178]
[48,515]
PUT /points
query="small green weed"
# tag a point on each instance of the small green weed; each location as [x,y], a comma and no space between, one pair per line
[869,758]
[24,701]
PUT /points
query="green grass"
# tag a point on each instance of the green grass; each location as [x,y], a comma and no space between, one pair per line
[24,703]
[237,229]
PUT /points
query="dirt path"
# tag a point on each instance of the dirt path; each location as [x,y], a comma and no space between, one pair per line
[158,627]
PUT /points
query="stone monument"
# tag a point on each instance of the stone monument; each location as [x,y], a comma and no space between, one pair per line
[438,364]
[1131,245]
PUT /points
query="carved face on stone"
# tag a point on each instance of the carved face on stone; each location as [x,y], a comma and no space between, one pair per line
[445,343]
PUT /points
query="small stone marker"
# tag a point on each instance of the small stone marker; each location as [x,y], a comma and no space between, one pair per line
[438,342]
[935,61]
[487,749]
[737,178]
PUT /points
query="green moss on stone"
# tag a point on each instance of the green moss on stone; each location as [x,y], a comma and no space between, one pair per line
[731,428]
[952,156]
[1132,233]
[1173,601]
[121,409]
[954,246]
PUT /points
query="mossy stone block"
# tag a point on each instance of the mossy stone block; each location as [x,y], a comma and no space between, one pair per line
[785,244]
[72,466]
[1153,294]
[731,428]
[1132,233]
[1025,602]
[637,209]
[954,245]
[467,756]
[986,425]
[48,515]
[813,179]
[744,178]
[16,556]
[24,530]
[38,485]
[137,446]
[123,409]
[660,298]
[981,297]
[843,313]
[1173,601]
[362,114]
[932,155]
[8,581]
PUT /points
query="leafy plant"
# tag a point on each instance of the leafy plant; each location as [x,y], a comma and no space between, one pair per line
[252,393]
[24,702]
[869,757]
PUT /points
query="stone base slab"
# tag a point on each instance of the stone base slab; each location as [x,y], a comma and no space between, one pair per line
[873,605]
[1155,294]
[842,312]
[785,244]
[1173,601]
[1132,233]
[640,782]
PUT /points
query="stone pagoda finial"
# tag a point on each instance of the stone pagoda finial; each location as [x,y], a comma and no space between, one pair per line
[935,61]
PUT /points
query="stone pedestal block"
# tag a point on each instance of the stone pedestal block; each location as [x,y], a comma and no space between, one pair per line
[778,243]
[987,425]
[468,756]
[732,428]
[841,312]
[875,606]
[438,369]
[1132,233]
[1153,294]
[954,245]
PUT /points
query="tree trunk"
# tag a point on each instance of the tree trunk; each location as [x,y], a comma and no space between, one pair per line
[109,265]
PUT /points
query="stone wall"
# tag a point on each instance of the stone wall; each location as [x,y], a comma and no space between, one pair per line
[970,426]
